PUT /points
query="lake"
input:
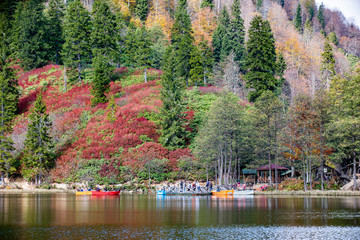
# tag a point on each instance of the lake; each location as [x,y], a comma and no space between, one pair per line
[66,216]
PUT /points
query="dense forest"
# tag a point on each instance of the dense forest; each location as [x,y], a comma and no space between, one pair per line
[111,91]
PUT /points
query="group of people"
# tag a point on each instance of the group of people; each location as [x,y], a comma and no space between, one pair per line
[194,186]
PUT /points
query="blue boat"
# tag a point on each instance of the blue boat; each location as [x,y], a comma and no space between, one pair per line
[161,192]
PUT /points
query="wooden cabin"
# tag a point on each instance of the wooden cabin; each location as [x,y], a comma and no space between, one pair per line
[263,173]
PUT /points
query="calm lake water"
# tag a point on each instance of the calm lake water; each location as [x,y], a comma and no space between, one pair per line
[66,216]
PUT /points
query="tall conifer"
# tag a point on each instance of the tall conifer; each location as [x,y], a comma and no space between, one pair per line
[328,64]
[237,34]
[182,40]
[29,34]
[9,96]
[77,28]
[142,9]
[38,142]
[261,59]
[55,30]
[298,18]
[101,80]
[220,37]
[104,31]
[172,122]
[143,50]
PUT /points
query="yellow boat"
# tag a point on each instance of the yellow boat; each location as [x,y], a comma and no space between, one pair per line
[223,193]
[80,193]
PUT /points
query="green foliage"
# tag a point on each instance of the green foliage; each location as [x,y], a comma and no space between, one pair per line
[29,35]
[158,46]
[220,37]
[298,18]
[55,29]
[38,143]
[207,3]
[333,38]
[9,97]
[142,9]
[104,34]
[172,117]
[111,109]
[321,16]
[101,81]
[77,29]
[327,63]
[261,59]
[143,49]
[237,34]
[182,41]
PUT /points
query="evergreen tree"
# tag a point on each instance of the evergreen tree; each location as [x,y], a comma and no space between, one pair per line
[182,40]
[259,5]
[101,81]
[221,40]
[38,142]
[29,34]
[206,59]
[320,16]
[207,3]
[143,50]
[261,59]
[104,31]
[196,72]
[237,34]
[142,9]
[172,117]
[298,18]
[328,64]
[9,96]
[77,28]
[130,45]
[55,30]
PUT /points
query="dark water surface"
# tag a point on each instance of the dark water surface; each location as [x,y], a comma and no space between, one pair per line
[66,216]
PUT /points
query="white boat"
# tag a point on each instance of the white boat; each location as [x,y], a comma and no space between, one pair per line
[243,192]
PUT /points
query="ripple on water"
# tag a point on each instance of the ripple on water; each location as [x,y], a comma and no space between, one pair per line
[163,232]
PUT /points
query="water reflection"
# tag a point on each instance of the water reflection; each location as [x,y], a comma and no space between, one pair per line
[148,210]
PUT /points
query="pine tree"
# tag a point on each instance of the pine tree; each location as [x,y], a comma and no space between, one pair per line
[207,3]
[298,18]
[143,50]
[142,9]
[9,96]
[196,72]
[261,59]
[38,143]
[130,45]
[206,58]
[101,80]
[172,117]
[55,30]
[77,28]
[104,31]
[182,40]
[320,16]
[221,40]
[29,41]
[328,64]
[237,34]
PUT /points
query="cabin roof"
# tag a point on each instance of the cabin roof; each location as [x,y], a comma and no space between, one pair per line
[273,167]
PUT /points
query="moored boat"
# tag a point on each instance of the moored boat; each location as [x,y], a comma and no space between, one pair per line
[161,192]
[104,193]
[244,192]
[223,193]
[81,193]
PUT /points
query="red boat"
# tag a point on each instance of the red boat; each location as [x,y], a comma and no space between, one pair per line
[103,193]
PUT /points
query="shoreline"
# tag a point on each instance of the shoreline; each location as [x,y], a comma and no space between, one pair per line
[259,193]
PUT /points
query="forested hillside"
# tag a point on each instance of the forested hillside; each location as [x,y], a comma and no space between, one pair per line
[110,91]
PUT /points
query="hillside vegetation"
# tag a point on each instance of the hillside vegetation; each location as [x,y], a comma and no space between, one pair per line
[242,83]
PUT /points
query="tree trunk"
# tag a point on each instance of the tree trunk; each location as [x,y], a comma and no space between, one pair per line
[149,177]
[79,67]
[269,151]
[145,75]
[354,166]
[2,178]
[65,79]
